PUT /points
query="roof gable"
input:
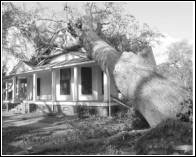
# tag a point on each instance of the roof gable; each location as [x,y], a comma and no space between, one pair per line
[67,57]
[61,60]
[20,68]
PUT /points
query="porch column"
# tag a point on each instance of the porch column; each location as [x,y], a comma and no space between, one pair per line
[14,89]
[75,93]
[6,90]
[53,89]
[107,90]
[17,87]
[105,87]
[34,87]
[53,85]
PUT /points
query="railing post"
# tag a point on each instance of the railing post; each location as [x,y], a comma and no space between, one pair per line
[109,93]
[107,90]
[53,88]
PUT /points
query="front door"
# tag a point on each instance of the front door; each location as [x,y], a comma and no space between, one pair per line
[23,89]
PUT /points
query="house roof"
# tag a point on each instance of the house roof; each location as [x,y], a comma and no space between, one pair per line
[71,62]
[62,60]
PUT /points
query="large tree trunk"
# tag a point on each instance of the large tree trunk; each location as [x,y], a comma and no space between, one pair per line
[105,55]
[154,96]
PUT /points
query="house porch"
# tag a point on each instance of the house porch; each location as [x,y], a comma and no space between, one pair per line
[44,90]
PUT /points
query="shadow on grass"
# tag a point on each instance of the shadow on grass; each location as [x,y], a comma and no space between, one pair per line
[77,142]
[9,135]
[12,133]
[74,148]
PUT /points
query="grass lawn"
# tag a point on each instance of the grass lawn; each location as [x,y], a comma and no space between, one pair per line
[62,135]
[39,134]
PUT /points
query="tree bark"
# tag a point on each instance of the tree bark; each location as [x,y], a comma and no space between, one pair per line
[105,55]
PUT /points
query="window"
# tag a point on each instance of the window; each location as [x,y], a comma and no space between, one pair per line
[86,80]
[38,86]
[65,78]
[9,95]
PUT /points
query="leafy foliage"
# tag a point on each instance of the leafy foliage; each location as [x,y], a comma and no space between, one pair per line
[28,36]
[186,114]
[131,117]
[123,31]
[180,53]
[180,68]
[85,111]
[39,36]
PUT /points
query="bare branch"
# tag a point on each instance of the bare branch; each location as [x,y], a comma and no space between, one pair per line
[52,20]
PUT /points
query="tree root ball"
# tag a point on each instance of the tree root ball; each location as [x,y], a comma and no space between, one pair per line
[168,137]
[156,97]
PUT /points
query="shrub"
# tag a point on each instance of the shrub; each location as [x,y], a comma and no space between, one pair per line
[82,111]
[132,118]
[137,120]
[85,111]
[111,150]
[186,113]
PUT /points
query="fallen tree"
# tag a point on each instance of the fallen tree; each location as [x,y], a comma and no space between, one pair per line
[169,137]
[66,145]
[156,97]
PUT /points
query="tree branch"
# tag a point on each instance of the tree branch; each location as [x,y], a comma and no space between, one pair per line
[52,20]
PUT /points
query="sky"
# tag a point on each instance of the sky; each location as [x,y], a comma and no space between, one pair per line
[172,18]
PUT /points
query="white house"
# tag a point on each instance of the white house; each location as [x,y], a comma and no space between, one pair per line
[60,84]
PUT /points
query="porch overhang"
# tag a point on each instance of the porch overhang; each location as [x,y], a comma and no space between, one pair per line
[50,67]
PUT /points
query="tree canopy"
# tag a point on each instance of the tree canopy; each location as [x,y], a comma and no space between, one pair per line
[30,36]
